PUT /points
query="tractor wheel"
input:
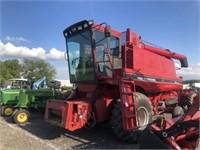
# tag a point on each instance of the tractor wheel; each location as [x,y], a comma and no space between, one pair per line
[6,111]
[145,114]
[21,116]
[190,98]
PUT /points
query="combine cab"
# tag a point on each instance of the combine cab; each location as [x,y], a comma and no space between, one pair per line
[118,78]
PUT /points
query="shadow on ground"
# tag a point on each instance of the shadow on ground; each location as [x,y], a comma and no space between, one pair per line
[99,137]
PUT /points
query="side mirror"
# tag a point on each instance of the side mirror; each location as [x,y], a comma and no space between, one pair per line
[107,31]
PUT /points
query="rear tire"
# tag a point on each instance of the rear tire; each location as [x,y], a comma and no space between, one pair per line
[144,117]
[21,116]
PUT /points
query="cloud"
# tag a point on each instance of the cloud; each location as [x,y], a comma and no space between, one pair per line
[192,72]
[55,54]
[16,39]
[10,50]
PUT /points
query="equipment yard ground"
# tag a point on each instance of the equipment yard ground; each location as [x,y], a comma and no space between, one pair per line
[39,135]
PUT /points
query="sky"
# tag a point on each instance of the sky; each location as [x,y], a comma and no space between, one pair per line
[34,28]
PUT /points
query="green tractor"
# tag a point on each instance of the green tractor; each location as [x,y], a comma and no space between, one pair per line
[34,97]
[9,95]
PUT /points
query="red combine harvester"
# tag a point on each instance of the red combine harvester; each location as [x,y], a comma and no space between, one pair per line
[117,78]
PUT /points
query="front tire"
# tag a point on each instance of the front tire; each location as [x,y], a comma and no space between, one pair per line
[6,111]
[144,117]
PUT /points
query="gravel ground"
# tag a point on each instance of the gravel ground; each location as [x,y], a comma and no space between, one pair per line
[39,135]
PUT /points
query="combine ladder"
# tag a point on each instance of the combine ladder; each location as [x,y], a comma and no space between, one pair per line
[128,104]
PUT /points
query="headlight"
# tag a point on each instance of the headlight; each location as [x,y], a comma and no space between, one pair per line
[85,25]
[80,28]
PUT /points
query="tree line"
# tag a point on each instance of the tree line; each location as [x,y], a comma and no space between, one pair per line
[28,69]
[36,68]
[191,81]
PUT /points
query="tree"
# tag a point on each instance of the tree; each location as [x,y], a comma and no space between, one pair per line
[9,69]
[37,69]
[3,72]
[191,81]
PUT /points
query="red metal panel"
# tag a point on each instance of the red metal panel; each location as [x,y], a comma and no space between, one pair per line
[74,114]
[154,87]
[77,114]
[103,110]
[151,64]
